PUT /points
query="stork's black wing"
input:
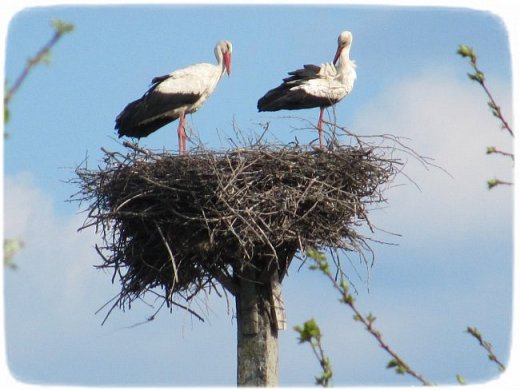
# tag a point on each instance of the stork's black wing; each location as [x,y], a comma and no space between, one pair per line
[152,111]
[287,97]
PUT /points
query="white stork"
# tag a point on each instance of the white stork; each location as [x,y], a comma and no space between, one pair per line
[173,96]
[315,86]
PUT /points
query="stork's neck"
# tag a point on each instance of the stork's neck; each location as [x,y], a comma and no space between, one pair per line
[346,69]
[344,60]
[220,62]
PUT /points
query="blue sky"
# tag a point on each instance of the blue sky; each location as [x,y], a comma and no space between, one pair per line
[452,266]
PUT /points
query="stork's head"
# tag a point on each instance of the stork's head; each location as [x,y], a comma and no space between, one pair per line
[344,42]
[223,50]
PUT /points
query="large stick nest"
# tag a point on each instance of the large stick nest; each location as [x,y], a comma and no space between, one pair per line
[175,224]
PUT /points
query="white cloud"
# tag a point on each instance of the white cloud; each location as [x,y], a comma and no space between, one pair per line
[20,197]
[56,256]
[55,275]
[448,120]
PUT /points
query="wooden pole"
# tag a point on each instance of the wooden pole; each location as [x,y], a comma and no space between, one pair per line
[257,344]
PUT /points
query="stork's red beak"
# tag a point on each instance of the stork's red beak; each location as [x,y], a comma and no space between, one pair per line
[336,57]
[227,62]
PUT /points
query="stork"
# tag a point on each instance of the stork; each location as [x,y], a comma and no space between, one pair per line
[173,96]
[315,86]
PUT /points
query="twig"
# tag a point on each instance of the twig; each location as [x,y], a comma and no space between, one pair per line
[495,182]
[310,333]
[478,76]
[396,362]
[487,346]
[494,150]
[60,28]
[172,259]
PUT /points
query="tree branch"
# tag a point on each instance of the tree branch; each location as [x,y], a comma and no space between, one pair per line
[60,28]
[478,76]
[396,362]
[487,346]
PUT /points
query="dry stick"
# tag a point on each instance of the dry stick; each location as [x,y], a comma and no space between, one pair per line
[172,259]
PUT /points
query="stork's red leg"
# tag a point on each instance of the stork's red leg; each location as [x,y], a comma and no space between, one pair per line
[181,133]
[320,121]
[184,136]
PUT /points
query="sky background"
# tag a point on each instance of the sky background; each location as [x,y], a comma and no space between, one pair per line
[452,266]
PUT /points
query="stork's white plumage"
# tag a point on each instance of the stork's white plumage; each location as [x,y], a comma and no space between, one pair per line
[315,86]
[173,96]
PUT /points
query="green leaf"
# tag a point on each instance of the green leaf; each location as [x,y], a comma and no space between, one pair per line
[312,328]
[477,76]
[460,379]
[464,51]
[491,183]
[348,299]
[11,247]
[467,51]
[399,367]
[316,255]
[491,149]
[343,284]
[62,27]
[324,266]
[492,105]
[7,114]
[309,331]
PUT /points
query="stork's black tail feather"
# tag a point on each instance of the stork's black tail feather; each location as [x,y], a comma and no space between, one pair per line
[286,98]
[134,120]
